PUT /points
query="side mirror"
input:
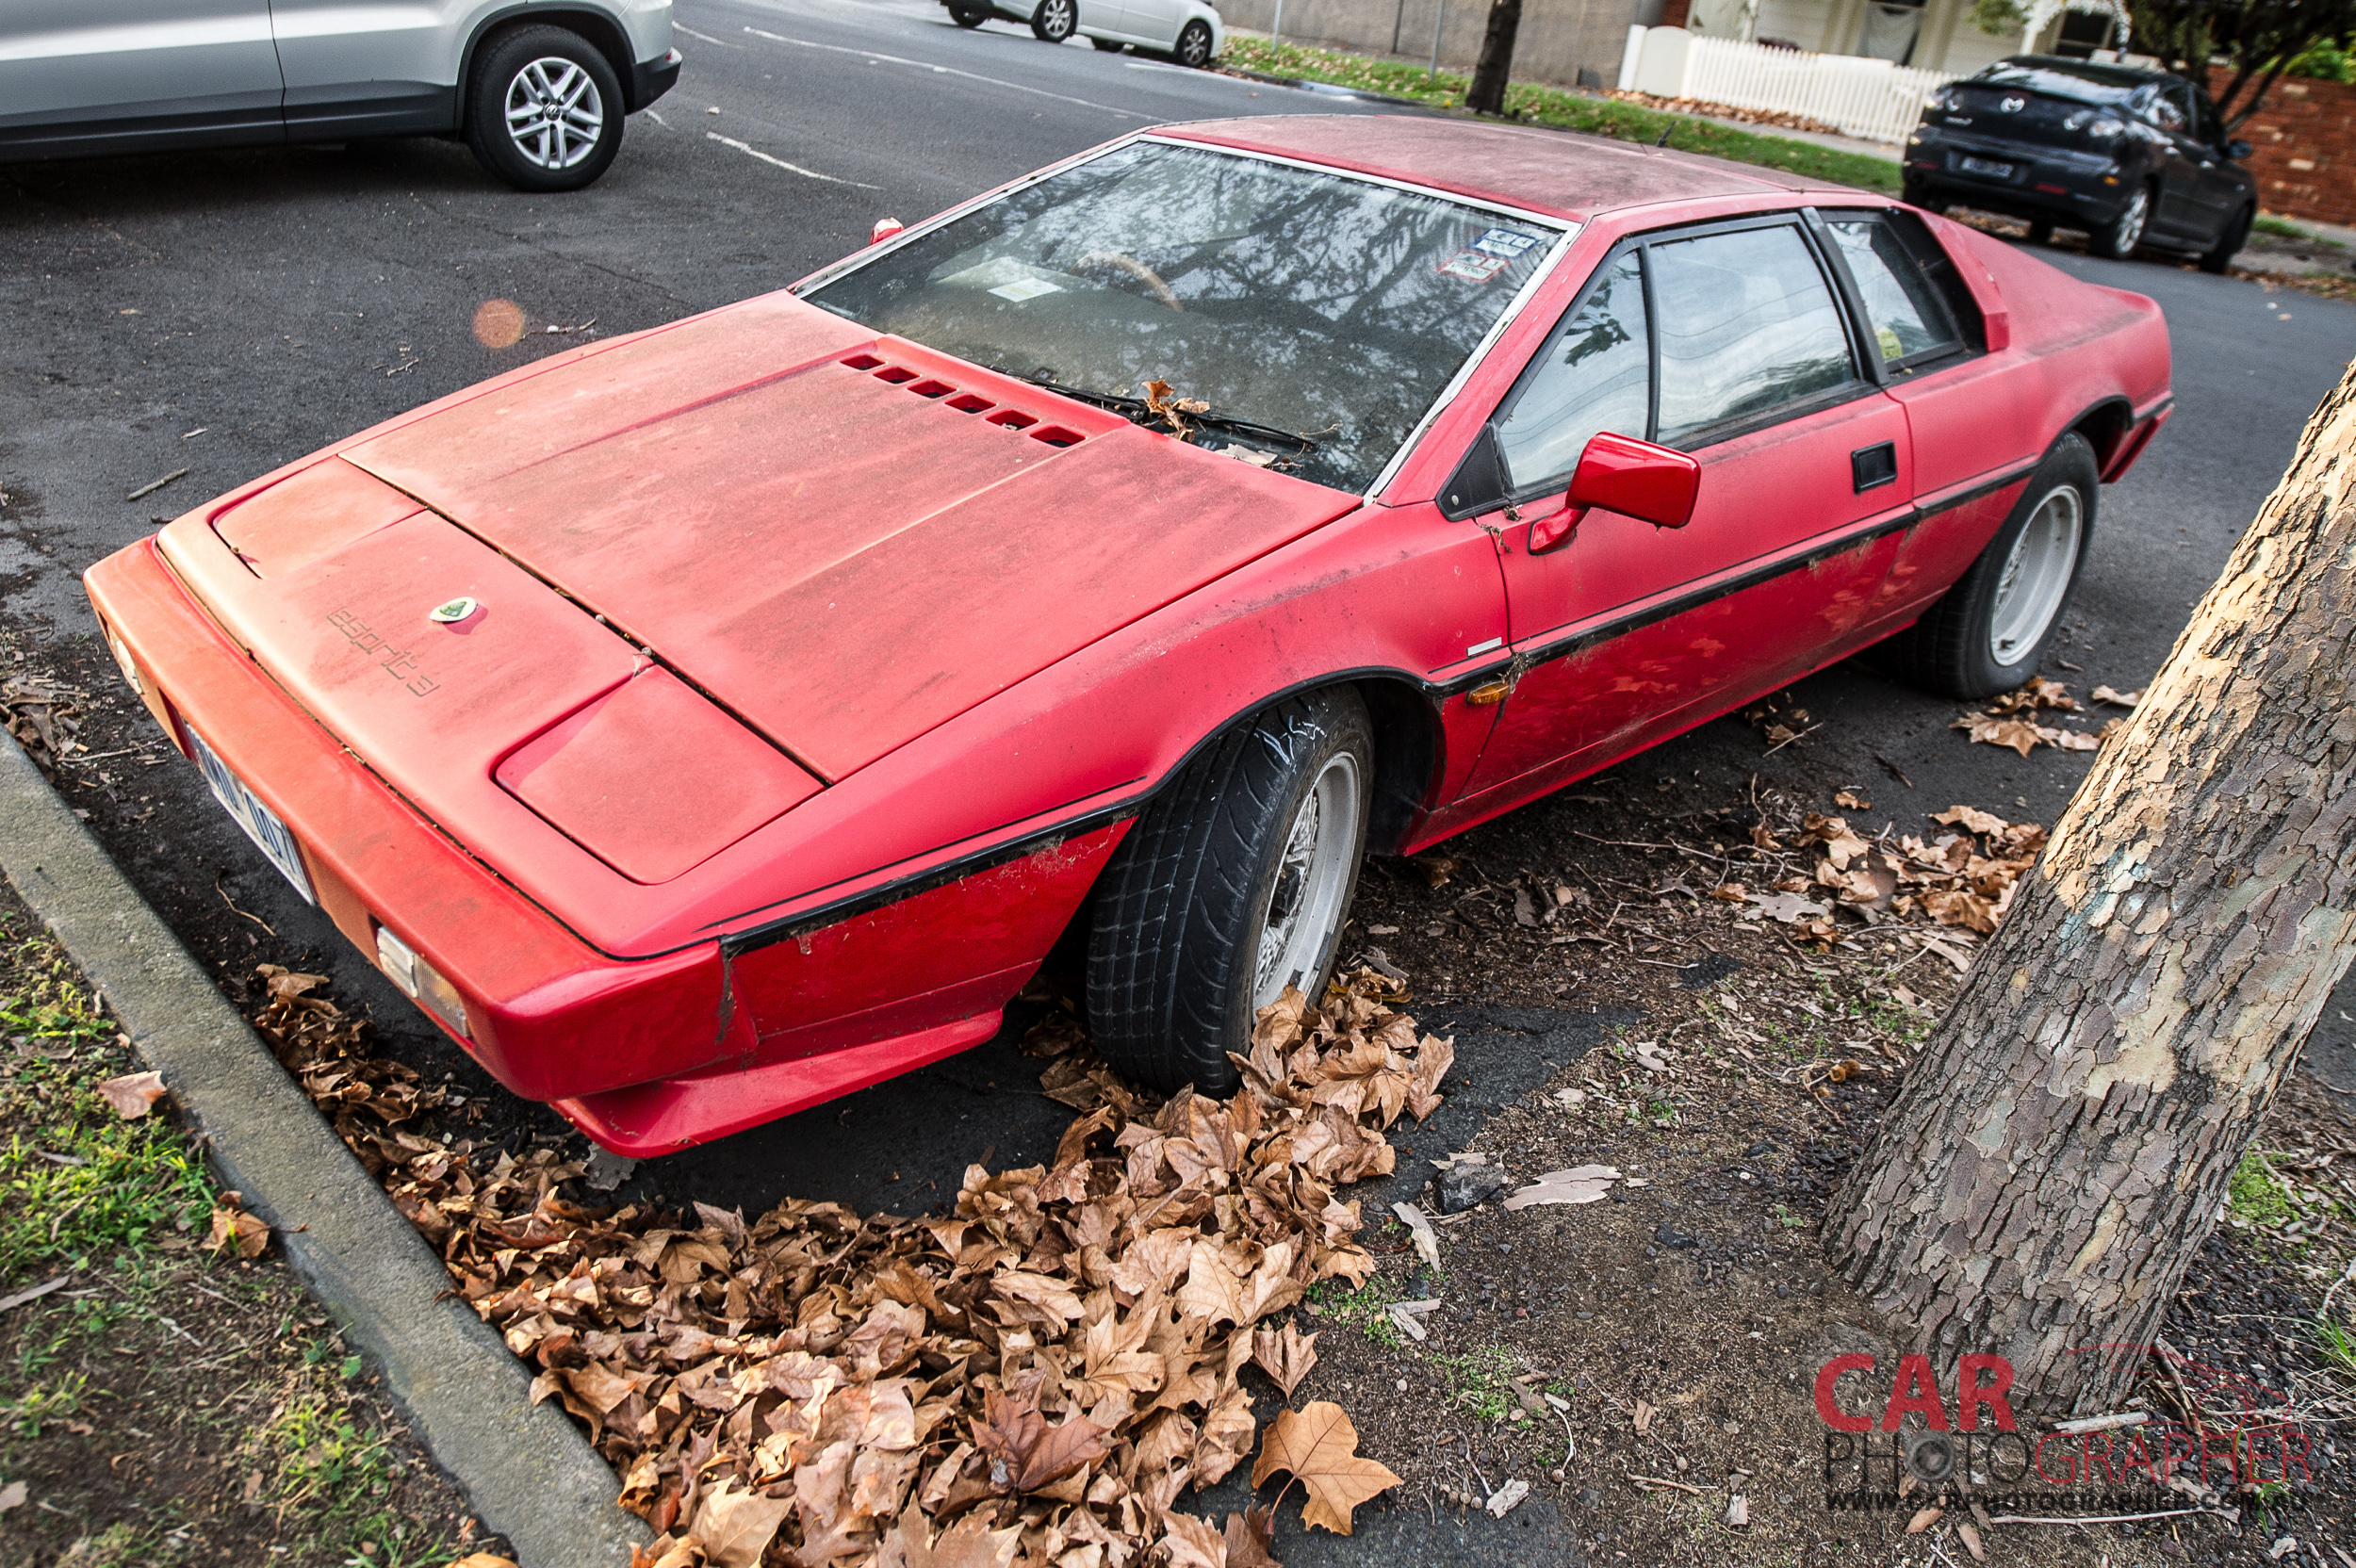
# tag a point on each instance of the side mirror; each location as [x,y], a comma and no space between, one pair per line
[885,228]
[2239,149]
[1633,478]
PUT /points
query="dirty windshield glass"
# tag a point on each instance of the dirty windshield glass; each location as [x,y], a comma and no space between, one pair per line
[1314,316]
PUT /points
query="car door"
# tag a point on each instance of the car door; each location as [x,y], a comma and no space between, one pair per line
[2181,210]
[125,76]
[1153,22]
[1732,343]
[2225,187]
[385,69]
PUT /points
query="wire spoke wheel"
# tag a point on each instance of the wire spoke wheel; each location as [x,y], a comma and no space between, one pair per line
[2037,576]
[555,114]
[1313,883]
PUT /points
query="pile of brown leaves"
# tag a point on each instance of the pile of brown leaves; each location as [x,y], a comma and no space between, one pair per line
[1033,1379]
[43,718]
[2011,719]
[1964,878]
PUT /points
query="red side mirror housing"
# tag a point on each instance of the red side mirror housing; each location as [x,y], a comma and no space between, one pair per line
[1636,479]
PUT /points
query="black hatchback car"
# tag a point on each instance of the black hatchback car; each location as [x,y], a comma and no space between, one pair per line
[2131,156]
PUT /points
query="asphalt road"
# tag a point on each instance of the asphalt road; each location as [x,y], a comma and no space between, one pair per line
[226,312]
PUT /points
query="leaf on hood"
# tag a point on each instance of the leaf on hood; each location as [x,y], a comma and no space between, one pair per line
[133,1093]
[1319,1447]
[1284,1354]
[735,1525]
[1583,1183]
[968,1544]
[1024,1452]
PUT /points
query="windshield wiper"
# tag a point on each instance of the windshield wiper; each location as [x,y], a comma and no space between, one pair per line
[1139,411]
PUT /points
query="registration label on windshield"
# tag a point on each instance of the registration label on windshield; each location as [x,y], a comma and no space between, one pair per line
[1508,243]
[1475,267]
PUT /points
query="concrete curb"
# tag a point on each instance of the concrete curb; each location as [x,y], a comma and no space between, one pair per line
[528,1471]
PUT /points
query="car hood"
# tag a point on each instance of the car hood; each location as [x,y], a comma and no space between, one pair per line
[762,528]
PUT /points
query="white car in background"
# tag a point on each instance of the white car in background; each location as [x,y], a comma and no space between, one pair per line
[1190,31]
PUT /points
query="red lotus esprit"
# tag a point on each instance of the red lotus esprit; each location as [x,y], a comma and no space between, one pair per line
[712,721]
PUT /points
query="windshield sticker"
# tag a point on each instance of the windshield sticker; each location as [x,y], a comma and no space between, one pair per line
[1026,289]
[1508,243]
[1474,266]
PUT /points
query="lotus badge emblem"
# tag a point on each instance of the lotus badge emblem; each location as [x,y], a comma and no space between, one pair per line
[2012,106]
[454,611]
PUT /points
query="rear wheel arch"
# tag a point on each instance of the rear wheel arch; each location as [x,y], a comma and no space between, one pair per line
[2104,427]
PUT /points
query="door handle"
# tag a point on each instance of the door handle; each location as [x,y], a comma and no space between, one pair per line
[1870,468]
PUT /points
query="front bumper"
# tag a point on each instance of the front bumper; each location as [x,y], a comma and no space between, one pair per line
[2043,182]
[548,1016]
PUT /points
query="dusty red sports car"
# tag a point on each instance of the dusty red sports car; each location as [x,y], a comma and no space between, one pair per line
[708,722]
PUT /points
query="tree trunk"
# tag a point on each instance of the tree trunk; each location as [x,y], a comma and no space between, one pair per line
[1497,57]
[2059,1152]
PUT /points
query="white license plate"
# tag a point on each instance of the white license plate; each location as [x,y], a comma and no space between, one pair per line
[1988,167]
[260,823]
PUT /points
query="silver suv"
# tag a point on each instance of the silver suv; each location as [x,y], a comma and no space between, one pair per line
[538,88]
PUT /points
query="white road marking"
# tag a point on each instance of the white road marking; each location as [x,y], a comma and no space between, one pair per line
[752,151]
[872,57]
[658,119]
[704,37]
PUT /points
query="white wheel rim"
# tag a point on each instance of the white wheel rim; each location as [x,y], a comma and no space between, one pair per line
[1305,904]
[2131,222]
[1058,16]
[2037,576]
[554,113]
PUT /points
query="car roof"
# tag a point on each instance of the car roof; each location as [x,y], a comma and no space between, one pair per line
[1561,172]
[2099,72]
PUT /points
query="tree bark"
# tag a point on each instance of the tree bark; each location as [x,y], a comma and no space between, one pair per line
[1487,93]
[2059,1152]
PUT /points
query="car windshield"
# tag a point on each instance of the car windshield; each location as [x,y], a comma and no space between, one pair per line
[2079,81]
[1314,316]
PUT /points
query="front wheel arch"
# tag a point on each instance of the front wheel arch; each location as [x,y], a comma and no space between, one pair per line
[598,31]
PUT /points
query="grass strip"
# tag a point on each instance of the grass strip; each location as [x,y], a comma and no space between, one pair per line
[1534,103]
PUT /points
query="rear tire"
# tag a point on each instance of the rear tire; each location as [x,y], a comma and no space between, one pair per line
[2118,238]
[1054,20]
[1991,629]
[969,18]
[1194,44]
[2041,231]
[1235,882]
[544,111]
[2220,255]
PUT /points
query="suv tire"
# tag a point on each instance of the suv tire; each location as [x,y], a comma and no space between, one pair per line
[1054,20]
[544,111]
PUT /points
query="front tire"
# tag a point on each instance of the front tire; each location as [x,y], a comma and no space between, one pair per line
[1055,19]
[2118,238]
[2220,256]
[1194,44]
[544,110]
[1235,883]
[969,18]
[1989,633]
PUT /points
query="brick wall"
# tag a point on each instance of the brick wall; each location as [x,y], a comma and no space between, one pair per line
[2305,148]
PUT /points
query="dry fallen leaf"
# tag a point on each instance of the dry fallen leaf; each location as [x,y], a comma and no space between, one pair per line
[2118,699]
[735,1526]
[1738,1510]
[1923,1520]
[1284,1354]
[1583,1183]
[1971,1536]
[968,1544]
[1419,1227]
[1851,800]
[1644,1415]
[1192,1541]
[1435,870]
[12,1495]
[1024,1452]
[133,1093]
[1250,1537]
[234,1227]
[1319,1447]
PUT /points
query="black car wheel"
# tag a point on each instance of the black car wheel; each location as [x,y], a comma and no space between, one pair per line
[1919,196]
[2220,255]
[968,18]
[544,111]
[2119,237]
[2040,231]
[1194,44]
[1234,885]
[1988,631]
[1055,19]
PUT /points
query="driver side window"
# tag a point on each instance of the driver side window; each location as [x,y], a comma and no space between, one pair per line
[1596,376]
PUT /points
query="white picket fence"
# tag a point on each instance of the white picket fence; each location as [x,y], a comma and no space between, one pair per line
[1869,99]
